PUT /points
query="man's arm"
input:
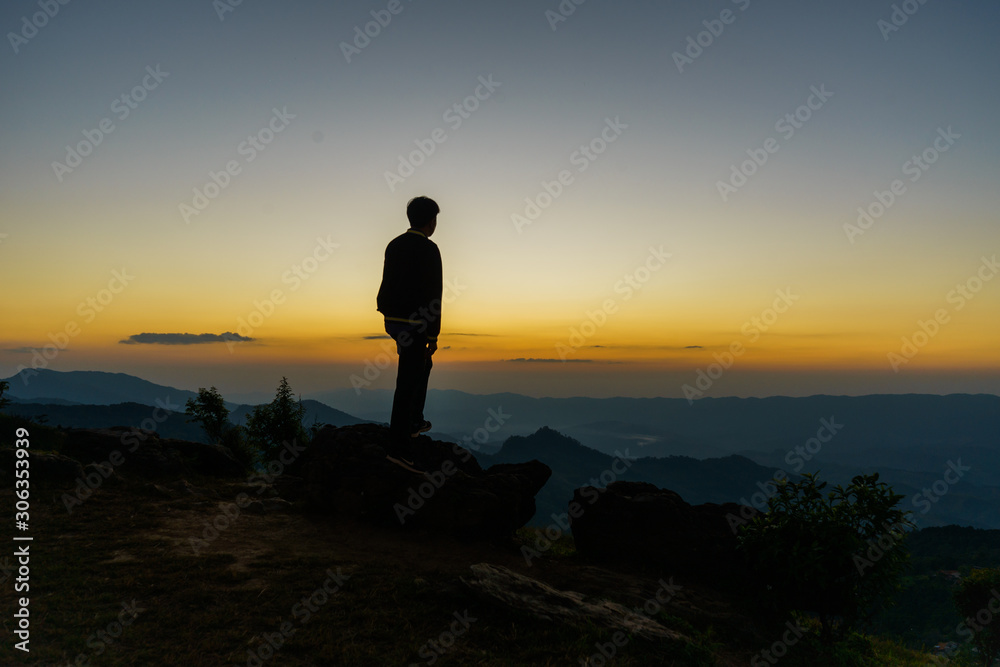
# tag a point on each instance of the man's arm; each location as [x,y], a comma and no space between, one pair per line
[435,293]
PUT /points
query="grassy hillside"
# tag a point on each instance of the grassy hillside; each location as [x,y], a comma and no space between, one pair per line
[175,573]
[119,581]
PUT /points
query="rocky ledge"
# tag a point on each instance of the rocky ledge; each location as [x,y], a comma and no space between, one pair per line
[435,485]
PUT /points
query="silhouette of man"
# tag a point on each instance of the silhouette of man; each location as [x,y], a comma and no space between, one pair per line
[410,300]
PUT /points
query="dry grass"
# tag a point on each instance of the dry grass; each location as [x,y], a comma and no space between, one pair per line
[400,591]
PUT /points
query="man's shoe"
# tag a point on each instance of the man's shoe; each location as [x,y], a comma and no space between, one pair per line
[422,427]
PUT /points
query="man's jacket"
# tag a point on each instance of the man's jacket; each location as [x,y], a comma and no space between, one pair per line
[411,283]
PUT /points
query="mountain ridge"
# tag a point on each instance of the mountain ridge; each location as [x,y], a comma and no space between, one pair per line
[910,438]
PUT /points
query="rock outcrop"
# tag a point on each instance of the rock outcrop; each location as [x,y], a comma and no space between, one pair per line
[638,523]
[503,586]
[347,471]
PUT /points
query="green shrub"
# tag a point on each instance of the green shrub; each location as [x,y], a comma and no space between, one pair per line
[209,409]
[978,600]
[837,554]
[270,426]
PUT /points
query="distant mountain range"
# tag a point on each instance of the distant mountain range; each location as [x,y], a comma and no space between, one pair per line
[90,388]
[913,441]
[720,480]
[166,423]
[94,399]
[709,426]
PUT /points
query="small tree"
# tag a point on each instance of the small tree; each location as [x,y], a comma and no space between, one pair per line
[4,401]
[976,598]
[270,426]
[837,555]
[209,409]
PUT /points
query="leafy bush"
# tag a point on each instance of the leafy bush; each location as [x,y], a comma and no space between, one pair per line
[837,555]
[978,600]
[209,409]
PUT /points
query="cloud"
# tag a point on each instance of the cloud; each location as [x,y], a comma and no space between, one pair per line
[550,361]
[375,337]
[20,350]
[183,338]
[693,347]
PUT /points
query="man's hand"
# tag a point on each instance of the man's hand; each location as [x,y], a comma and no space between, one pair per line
[432,347]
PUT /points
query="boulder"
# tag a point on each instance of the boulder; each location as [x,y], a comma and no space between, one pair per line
[638,523]
[434,485]
[503,586]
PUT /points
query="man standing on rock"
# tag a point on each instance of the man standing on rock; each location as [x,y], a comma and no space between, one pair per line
[410,300]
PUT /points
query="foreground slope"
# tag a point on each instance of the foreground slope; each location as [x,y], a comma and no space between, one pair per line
[194,569]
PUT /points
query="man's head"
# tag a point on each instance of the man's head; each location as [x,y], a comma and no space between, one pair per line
[422,213]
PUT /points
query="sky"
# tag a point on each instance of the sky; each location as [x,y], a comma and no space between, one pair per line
[725,198]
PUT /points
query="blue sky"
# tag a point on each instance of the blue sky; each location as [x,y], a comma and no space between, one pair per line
[346,122]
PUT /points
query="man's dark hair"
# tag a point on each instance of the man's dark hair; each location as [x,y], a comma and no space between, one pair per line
[420,211]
